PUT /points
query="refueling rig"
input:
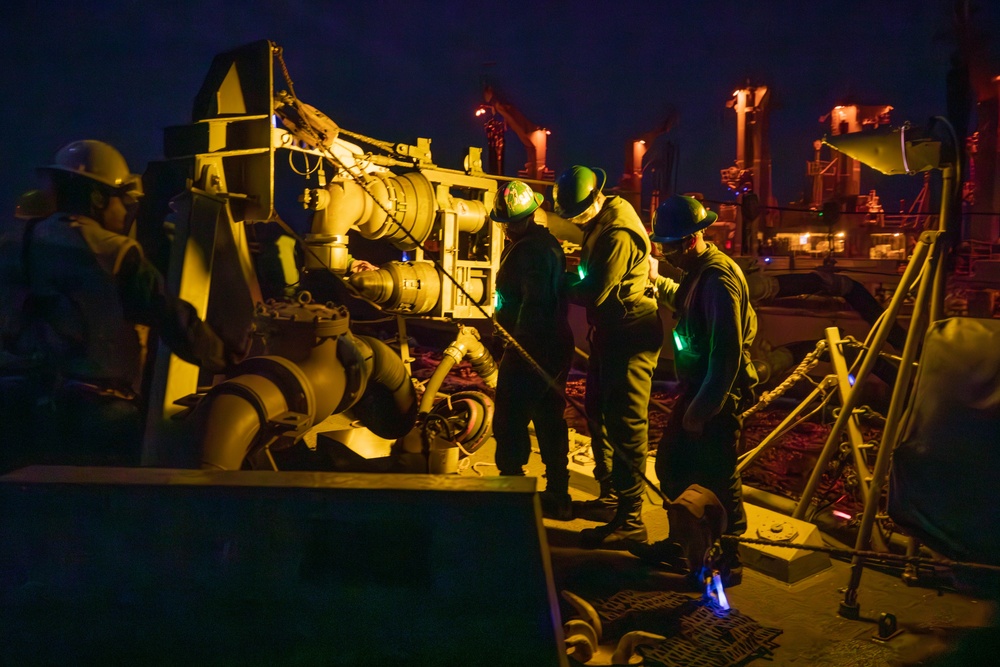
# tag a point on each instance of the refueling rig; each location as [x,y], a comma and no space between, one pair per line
[217,180]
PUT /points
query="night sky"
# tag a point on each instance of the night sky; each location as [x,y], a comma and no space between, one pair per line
[595,73]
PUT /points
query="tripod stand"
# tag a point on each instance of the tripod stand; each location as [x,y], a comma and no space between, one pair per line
[926,270]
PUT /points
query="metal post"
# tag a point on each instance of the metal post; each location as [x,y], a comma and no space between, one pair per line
[849,608]
[940,276]
[853,430]
[844,387]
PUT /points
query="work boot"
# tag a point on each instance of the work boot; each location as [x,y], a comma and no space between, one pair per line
[558,506]
[666,554]
[728,565]
[626,526]
[601,508]
[731,575]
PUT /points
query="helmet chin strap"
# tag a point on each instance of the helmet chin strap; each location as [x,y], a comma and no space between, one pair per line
[515,230]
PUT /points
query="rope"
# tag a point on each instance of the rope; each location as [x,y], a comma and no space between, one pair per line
[384,145]
[801,371]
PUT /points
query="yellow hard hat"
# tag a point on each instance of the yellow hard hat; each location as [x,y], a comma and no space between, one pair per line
[99,162]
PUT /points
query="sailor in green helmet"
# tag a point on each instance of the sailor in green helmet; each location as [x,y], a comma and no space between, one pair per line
[531,306]
[625,339]
[715,326]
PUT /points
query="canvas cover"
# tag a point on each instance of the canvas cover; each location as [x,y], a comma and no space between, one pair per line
[943,485]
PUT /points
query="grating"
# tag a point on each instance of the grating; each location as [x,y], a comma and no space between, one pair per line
[698,633]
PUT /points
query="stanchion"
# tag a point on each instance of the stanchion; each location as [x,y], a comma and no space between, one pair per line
[849,607]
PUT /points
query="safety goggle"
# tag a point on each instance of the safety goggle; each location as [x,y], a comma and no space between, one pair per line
[129,199]
[668,248]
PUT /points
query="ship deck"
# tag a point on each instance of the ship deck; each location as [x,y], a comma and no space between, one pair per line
[938,623]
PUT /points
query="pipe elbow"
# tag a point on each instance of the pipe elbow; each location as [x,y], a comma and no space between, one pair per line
[232,416]
[468,344]
[388,406]
[346,207]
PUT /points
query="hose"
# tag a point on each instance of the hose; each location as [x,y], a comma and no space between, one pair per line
[465,345]
[388,406]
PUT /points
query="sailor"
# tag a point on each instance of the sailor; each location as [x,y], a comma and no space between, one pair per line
[625,338]
[531,307]
[90,299]
[714,328]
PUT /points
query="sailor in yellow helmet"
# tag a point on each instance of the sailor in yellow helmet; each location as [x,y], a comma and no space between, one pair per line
[91,295]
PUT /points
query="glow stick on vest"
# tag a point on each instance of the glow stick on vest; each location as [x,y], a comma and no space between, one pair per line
[678,342]
[581,271]
[720,593]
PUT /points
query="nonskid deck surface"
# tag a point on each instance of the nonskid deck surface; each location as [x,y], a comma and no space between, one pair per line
[940,625]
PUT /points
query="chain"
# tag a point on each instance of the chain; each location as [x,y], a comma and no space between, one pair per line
[867,555]
[280,53]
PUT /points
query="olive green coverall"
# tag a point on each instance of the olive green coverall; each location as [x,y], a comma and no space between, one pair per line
[532,307]
[625,340]
[715,326]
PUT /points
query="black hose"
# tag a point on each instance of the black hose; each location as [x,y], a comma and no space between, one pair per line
[388,407]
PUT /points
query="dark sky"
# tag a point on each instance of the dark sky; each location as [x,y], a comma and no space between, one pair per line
[595,73]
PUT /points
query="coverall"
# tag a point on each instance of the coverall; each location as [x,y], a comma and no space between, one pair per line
[532,308]
[625,340]
[715,326]
[89,297]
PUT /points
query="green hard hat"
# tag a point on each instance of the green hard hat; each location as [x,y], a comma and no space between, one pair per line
[514,202]
[34,204]
[576,189]
[680,216]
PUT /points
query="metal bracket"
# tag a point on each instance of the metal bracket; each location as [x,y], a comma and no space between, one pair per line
[887,628]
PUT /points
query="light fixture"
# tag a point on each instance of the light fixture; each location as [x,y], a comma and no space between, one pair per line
[900,150]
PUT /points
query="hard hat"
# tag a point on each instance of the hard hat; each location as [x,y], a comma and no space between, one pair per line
[576,189]
[514,202]
[680,216]
[34,204]
[99,162]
